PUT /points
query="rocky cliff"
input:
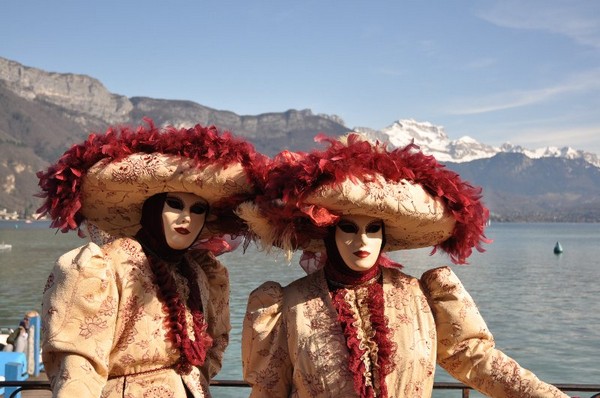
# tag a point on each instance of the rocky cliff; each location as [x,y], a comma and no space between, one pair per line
[43,113]
[78,93]
[269,132]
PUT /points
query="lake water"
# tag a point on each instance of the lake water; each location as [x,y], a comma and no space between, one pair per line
[542,308]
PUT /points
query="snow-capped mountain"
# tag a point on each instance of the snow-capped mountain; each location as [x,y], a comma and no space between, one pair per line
[433,140]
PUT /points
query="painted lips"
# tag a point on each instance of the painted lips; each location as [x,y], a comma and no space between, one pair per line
[361,254]
[182,231]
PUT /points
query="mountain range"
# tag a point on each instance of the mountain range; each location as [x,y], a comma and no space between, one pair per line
[433,140]
[43,113]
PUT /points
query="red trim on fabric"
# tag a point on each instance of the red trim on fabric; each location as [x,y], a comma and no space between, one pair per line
[383,334]
[386,347]
[355,364]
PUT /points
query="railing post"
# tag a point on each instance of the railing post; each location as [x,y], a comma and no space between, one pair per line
[465,392]
[13,371]
[35,327]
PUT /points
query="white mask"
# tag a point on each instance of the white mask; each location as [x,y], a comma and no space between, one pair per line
[183,217]
[358,240]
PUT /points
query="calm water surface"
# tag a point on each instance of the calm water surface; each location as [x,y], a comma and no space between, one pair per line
[542,308]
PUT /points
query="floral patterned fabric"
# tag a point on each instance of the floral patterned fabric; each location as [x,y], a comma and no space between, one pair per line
[294,346]
[104,329]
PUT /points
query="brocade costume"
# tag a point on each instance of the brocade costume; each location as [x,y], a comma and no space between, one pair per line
[294,345]
[105,330]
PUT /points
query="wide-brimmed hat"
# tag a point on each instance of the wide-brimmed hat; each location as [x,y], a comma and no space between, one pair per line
[106,179]
[421,202]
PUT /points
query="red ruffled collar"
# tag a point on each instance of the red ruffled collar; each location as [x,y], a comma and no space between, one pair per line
[369,367]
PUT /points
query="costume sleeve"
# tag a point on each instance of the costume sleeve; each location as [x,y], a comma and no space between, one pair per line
[265,357]
[79,317]
[466,348]
[217,313]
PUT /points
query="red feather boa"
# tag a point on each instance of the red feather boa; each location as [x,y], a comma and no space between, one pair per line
[193,352]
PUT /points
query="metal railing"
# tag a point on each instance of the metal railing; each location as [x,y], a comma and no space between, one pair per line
[13,388]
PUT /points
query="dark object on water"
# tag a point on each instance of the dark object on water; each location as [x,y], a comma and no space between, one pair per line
[558,248]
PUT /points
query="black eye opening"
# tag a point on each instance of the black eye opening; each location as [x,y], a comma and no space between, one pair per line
[199,208]
[374,227]
[348,227]
[174,202]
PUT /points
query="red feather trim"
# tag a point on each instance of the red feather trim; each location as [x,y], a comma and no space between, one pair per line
[61,183]
[292,177]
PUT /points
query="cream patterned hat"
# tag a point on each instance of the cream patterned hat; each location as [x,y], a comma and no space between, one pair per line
[421,203]
[106,180]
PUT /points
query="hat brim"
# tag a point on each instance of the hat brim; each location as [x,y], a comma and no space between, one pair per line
[113,193]
[413,218]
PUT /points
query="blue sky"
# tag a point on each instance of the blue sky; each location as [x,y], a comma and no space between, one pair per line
[519,71]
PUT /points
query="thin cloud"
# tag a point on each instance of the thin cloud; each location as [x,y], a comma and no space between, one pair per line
[546,132]
[580,83]
[481,63]
[560,134]
[390,71]
[578,20]
[582,137]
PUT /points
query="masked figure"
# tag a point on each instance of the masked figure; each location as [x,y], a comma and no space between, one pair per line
[356,325]
[144,311]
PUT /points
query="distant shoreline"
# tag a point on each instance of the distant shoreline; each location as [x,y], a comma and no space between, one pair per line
[18,224]
[39,224]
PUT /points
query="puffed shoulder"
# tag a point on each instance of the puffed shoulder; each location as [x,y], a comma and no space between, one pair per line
[265,300]
[263,316]
[77,277]
[456,316]
[80,256]
[264,341]
[441,283]
[68,268]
